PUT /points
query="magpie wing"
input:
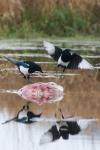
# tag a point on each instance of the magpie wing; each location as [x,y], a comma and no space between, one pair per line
[76,59]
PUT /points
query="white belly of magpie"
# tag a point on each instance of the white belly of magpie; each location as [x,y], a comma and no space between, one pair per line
[24,70]
[64,64]
[22,114]
[85,65]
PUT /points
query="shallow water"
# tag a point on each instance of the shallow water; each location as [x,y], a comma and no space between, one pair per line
[80,91]
[81,99]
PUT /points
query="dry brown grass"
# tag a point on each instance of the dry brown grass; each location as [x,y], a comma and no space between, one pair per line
[84,6]
[13,7]
[10,8]
[62,17]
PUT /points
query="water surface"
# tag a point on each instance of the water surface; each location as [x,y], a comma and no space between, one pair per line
[81,98]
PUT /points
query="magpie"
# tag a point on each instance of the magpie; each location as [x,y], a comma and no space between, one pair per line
[24,116]
[71,60]
[67,59]
[64,128]
[53,51]
[25,67]
[68,127]
[54,134]
[72,126]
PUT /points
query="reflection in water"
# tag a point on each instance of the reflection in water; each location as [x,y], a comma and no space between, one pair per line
[65,129]
[39,92]
[24,116]
[15,136]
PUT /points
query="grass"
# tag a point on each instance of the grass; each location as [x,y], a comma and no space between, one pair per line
[61,21]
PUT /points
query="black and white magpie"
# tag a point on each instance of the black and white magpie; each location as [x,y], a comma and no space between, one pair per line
[67,59]
[75,126]
[25,67]
[24,116]
[53,51]
[65,127]
[71,60]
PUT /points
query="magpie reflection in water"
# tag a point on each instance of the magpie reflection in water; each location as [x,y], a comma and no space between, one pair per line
[24,116]
[65,128]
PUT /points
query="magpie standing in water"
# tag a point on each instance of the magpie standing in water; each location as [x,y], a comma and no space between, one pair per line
[24,116]
[25,67]
[67,59]
[53,51]
[71,60]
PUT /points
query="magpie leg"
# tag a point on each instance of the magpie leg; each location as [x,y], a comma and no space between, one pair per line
[28,104]
[64,69]
[57,116]
[57,70]
[28,79]
[22,74]
[61,113]
[24,77]
[62,76]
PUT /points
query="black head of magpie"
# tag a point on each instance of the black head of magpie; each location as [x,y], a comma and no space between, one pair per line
[25,67]
[53,51]
[71,60]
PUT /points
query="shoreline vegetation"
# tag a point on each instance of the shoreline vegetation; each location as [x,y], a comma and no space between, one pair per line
[79,19]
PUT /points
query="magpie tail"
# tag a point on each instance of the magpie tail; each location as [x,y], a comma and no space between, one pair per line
[9,120]
[11,60]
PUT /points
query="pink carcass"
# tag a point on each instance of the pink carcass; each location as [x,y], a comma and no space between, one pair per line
[42,92]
